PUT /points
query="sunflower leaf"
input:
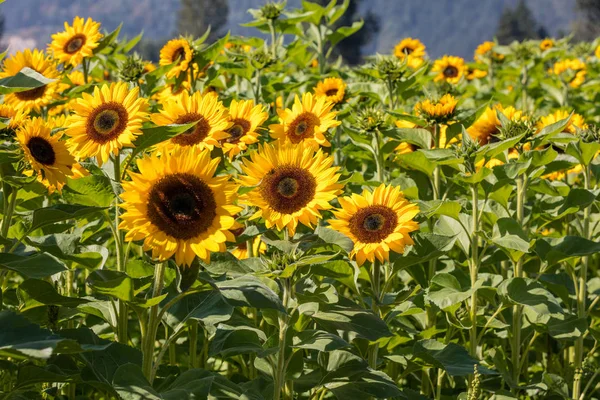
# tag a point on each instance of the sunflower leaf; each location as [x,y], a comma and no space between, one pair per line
[158,134]
[26,79]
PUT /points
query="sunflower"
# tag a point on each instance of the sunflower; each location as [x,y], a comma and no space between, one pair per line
[597,52]
[488,124]
[212,120]
[241,250]
[77,78]
[246,119]
[46,153]
[408,48]
[33,99]
[486,49]
[546,44]
[332,89]
[291,184]
[176,51]
[178,207]
[377,222]
[76,42]
[168,92]
[440,110]
[575,71]
[475,73]
[106,121]
[16,117]
[307,122]
[404,147]
[576,122]
[449,69]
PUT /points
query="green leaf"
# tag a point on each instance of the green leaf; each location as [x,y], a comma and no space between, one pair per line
[208,307]
[37,265]
[554,250]
[60,212]
[339,270]
[108,39]
[417,136]
[157,134]
[583,152]
[130,384]
[45,293]
[418,161]
[32,374]
[336,238]
[508,234]
[354,321]
[440,207]
[26,79]
[203,57]
[92,190]
[248,291]
[532,295]
[345,31]
[319,340]
[452,358]
[446,291]
[428,246]
[112,283]
[233,340]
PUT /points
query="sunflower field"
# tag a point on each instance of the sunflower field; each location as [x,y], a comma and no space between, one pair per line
[252,219]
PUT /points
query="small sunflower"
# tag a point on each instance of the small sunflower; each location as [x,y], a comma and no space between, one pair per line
[546,44]
[332,89]
[404,147]
[46,153]
[597,52]
[291,184]
[168,92]
[307,122]
[178,207]
[573,70]
[475,73]
[441,110]
[377,222]
[33,99]
[246,119]
[488,124]
[576,122]
[409,47]
[176,51]
[449,69]
[485,49]
[76,42]
[77,78]
[210,113]
[106,121]
[16,117]
[241,250]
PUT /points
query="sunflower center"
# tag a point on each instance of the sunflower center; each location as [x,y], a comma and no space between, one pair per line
[178,54]
[450,71]
[239,129]
[106,122]
[303,127]
[31,94]
[288,188]
[41,150]
[74,44]
[182,206]
[331,92]
[195,134]
[407,50]
[373,224]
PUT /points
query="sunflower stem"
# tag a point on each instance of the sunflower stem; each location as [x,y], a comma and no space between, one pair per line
[193,339]
[123,312]
[379,162]
[582,292]
[85,71]
[9,209]
[474,270]
[153,323]
[279,381]
[273,39]
[376,286]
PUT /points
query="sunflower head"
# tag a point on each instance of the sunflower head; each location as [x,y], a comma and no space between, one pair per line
[409,47]
[76,42]
[576,122]
[246,118]
[449,69]
[291,184]
[475,73]
[572,70]
[205,109]
[437,111]
[307,121]
[177,206]
[33,99]
[332,89]
[45,153]
[546,44]
[15,117]
[106,121]
[377,222]
[177,52]
[241,249]
[485,50]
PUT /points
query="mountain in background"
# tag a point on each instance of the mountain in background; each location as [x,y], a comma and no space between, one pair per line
[445,26]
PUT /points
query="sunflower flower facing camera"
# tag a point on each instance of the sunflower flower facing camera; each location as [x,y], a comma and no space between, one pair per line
[76,42]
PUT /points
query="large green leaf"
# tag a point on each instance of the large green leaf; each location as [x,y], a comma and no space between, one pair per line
[45,293]
[60,212]
[352,321]
[157,134]
[248,291]
[554,250]
[26,79]
[452,358]
[446,291]
[37,265]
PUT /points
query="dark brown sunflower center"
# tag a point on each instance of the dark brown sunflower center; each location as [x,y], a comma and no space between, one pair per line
[288,188]
[178,55]
[31,94]
[302,127]
[106,122]
[373,224]
[74,44]
[240,128]
[450,71]
[407,50]
[182,206]
[41,150]
[331,92]
[195,134]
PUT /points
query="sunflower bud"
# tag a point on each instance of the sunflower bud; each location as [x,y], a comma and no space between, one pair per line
[132,69]
[390,68]
[261,59]
[511,128]
[440,111]
[371,119]
[589,135]
[468,152]
[271,11]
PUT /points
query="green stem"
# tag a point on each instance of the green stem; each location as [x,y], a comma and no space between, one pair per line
[279,383]
[273,39]
[392,99]
[9,211]
[338,146]
[193,339]
[582,293]
[474,270]
[85,71]
[153,323]
[376,286]
[256,87]
[518,272]
[524,89]
[123,312]
[379,161]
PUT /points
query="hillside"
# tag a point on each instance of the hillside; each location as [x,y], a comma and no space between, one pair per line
[446,26]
